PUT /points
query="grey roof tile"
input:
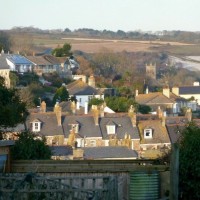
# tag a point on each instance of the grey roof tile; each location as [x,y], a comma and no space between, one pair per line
[3,62]
[189,90]
[86,123]
[174,132]
[61,150]
[49,123]
[109,153]
[123,126]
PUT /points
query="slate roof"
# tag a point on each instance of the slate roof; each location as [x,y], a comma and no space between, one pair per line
[18,59]
[153,98]
[49,125]
[78,87]
[174,132]
[176,120]
[86,123]
[3,62]
[61,150]
[189,90]
[160,134]
[109,153]
[175,125]
[123,126]
[19,128]
[4,143]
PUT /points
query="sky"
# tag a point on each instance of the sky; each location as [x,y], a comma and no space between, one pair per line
[126,15]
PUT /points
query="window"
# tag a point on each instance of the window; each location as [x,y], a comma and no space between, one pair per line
[36,126]
[93,143]
[110,129]
[75,127]
[147,133]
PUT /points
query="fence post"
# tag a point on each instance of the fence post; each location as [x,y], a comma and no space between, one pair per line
[174,173]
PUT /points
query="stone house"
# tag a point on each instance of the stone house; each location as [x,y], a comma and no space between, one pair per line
[154,137]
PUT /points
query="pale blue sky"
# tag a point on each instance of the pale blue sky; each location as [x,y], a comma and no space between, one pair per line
[113,15]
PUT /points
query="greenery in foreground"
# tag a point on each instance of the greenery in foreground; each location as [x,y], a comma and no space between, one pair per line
[30,147]
[189,160]
[13,110]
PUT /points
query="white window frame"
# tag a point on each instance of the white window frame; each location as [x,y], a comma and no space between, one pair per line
[36,126]
[149,131]
[111,129]
[75,127]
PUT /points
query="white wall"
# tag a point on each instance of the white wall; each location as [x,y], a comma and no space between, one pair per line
[12,66]
[196,96]
[85,98]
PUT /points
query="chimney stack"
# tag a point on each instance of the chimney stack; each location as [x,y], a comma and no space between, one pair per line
[43,107]
[136,93]
[175,90]
[73,107]
[132,115]
[166,92]
[102,110]
[160,113]
[147,90]
[58,111]
[96,115]
[91,81]
[163,120]
[188,114]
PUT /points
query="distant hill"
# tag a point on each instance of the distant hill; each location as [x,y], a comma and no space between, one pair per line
[176,35]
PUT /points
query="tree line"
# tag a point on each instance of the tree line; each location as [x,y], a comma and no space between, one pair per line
[165,35]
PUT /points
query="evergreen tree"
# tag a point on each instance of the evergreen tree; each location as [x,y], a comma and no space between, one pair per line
[189,161]
[29,147]
[12,110]
[61,95]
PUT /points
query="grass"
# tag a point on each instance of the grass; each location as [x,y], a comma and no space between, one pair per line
[92,45]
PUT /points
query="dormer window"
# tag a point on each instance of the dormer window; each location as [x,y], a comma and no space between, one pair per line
[75,127]
[148,133]
[110,129]
[36,126]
